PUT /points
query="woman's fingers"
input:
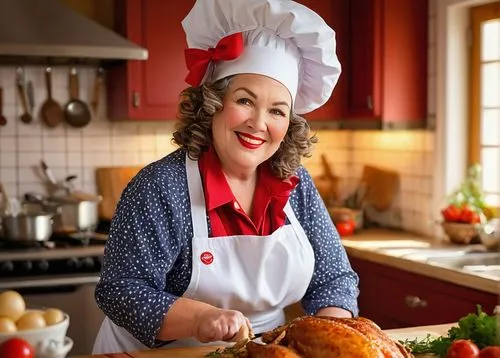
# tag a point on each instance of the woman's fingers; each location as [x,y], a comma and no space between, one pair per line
[218,325]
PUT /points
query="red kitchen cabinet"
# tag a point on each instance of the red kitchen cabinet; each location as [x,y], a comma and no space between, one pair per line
[334,13]
[149,90]
[387,72]
[395,298]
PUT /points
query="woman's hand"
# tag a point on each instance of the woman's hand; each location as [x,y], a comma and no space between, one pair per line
[215,324]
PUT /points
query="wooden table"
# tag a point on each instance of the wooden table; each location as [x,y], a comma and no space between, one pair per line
[200,352]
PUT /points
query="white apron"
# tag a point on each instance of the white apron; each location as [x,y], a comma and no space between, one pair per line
[256,275]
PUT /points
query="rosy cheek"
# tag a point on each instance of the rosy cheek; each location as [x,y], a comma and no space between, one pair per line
[234,116]
[277,129]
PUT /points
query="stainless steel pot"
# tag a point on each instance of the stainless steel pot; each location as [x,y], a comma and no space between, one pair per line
[27,227]
[72,213]
[76,214]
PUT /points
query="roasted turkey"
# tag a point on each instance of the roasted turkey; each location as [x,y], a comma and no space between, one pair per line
[318,337]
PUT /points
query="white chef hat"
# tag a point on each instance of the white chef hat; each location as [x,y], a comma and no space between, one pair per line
[280,39]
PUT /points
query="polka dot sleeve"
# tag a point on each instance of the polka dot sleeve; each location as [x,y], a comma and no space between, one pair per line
[334,283]
[147,237]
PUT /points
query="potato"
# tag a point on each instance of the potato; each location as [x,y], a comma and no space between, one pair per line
[7,325]
[12,305]
[53,316]
[31,320]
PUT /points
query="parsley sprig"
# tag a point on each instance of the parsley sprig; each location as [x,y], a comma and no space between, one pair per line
[479,327]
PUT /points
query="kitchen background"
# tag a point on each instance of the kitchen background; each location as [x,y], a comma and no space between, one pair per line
[405,279]
[78,151]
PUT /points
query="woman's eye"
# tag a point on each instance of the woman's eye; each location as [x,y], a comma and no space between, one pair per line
[244,101]
[278,112]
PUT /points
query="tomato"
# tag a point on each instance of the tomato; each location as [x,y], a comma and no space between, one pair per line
[490,352]
[469,216]
[346,228]
[16,348]
[463,348]
[451,213]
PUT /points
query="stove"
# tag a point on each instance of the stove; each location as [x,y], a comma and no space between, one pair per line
[68,254]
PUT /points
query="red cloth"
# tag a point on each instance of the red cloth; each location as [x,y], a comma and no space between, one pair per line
[226,218]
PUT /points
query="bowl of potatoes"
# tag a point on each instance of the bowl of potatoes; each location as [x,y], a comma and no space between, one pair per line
[44,329]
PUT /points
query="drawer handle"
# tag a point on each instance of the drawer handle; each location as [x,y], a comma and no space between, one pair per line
[415,301]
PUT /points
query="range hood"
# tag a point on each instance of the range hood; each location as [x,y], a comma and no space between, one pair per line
[34,31]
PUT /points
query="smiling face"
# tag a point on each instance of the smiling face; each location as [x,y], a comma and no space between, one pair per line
[253,122]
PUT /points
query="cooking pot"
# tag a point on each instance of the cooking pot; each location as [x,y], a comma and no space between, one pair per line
[72,213]
[27,227]
[76,214]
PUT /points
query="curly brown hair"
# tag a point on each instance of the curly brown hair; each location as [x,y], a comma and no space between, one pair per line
[194,128]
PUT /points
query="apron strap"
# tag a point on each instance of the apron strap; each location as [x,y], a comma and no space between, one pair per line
[296,226]
[195,188]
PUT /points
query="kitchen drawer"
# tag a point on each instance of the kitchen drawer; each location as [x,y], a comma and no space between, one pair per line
[411,299]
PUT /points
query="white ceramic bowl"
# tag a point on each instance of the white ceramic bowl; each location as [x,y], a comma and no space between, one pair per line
[40,338]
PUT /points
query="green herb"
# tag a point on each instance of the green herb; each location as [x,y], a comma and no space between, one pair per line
[481,328]
[427,345]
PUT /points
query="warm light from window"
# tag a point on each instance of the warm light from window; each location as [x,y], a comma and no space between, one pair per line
[490,110]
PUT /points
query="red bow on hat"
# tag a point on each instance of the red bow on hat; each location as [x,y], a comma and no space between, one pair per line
[197,60]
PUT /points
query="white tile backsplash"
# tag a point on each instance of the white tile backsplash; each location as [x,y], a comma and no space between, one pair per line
[8,144]
[31,144]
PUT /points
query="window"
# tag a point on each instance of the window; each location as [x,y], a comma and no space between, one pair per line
[484,144]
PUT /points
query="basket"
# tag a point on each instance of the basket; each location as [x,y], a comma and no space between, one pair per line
[460,233]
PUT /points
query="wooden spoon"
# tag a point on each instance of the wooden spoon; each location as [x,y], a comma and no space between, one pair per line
[52,113]
[3,120]
[97,90]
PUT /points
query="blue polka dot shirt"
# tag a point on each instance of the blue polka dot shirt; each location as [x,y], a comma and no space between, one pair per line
[147,258]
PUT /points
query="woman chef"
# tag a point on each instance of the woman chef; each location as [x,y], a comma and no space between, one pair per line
[229,229]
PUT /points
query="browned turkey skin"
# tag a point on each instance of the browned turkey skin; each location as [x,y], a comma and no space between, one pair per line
[318,337]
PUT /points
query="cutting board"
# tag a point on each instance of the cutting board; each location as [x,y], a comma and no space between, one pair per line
[110,183]
[195,352]
[381,187]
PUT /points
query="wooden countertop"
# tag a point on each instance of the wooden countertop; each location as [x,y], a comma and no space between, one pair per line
[200,352]
[390,248]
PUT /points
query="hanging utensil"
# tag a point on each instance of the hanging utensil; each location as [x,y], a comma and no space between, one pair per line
[30,91]
[3,120]
[76,112]
[48,172]
[99,79]
[26,116]
[52,113]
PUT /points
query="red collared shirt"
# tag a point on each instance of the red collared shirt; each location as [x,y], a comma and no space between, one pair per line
[226,216]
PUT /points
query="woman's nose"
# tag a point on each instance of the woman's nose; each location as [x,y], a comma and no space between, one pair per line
[258,121]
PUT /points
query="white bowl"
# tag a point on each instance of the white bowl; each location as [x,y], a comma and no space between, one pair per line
[53,335]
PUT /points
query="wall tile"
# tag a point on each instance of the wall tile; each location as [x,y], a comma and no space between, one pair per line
[97,144]
[125,158]
[53,159]
[8,175]
[74,144]
[8,144]
[30,144]
[28,175]
[54,144]
[8,160]
[92,160]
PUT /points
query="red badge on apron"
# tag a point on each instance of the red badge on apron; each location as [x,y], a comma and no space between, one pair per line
[207,258]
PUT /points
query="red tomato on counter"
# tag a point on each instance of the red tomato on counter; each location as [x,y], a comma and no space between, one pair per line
[346,228]
[16,348]
[451,213]
[463,348]
[490,352]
